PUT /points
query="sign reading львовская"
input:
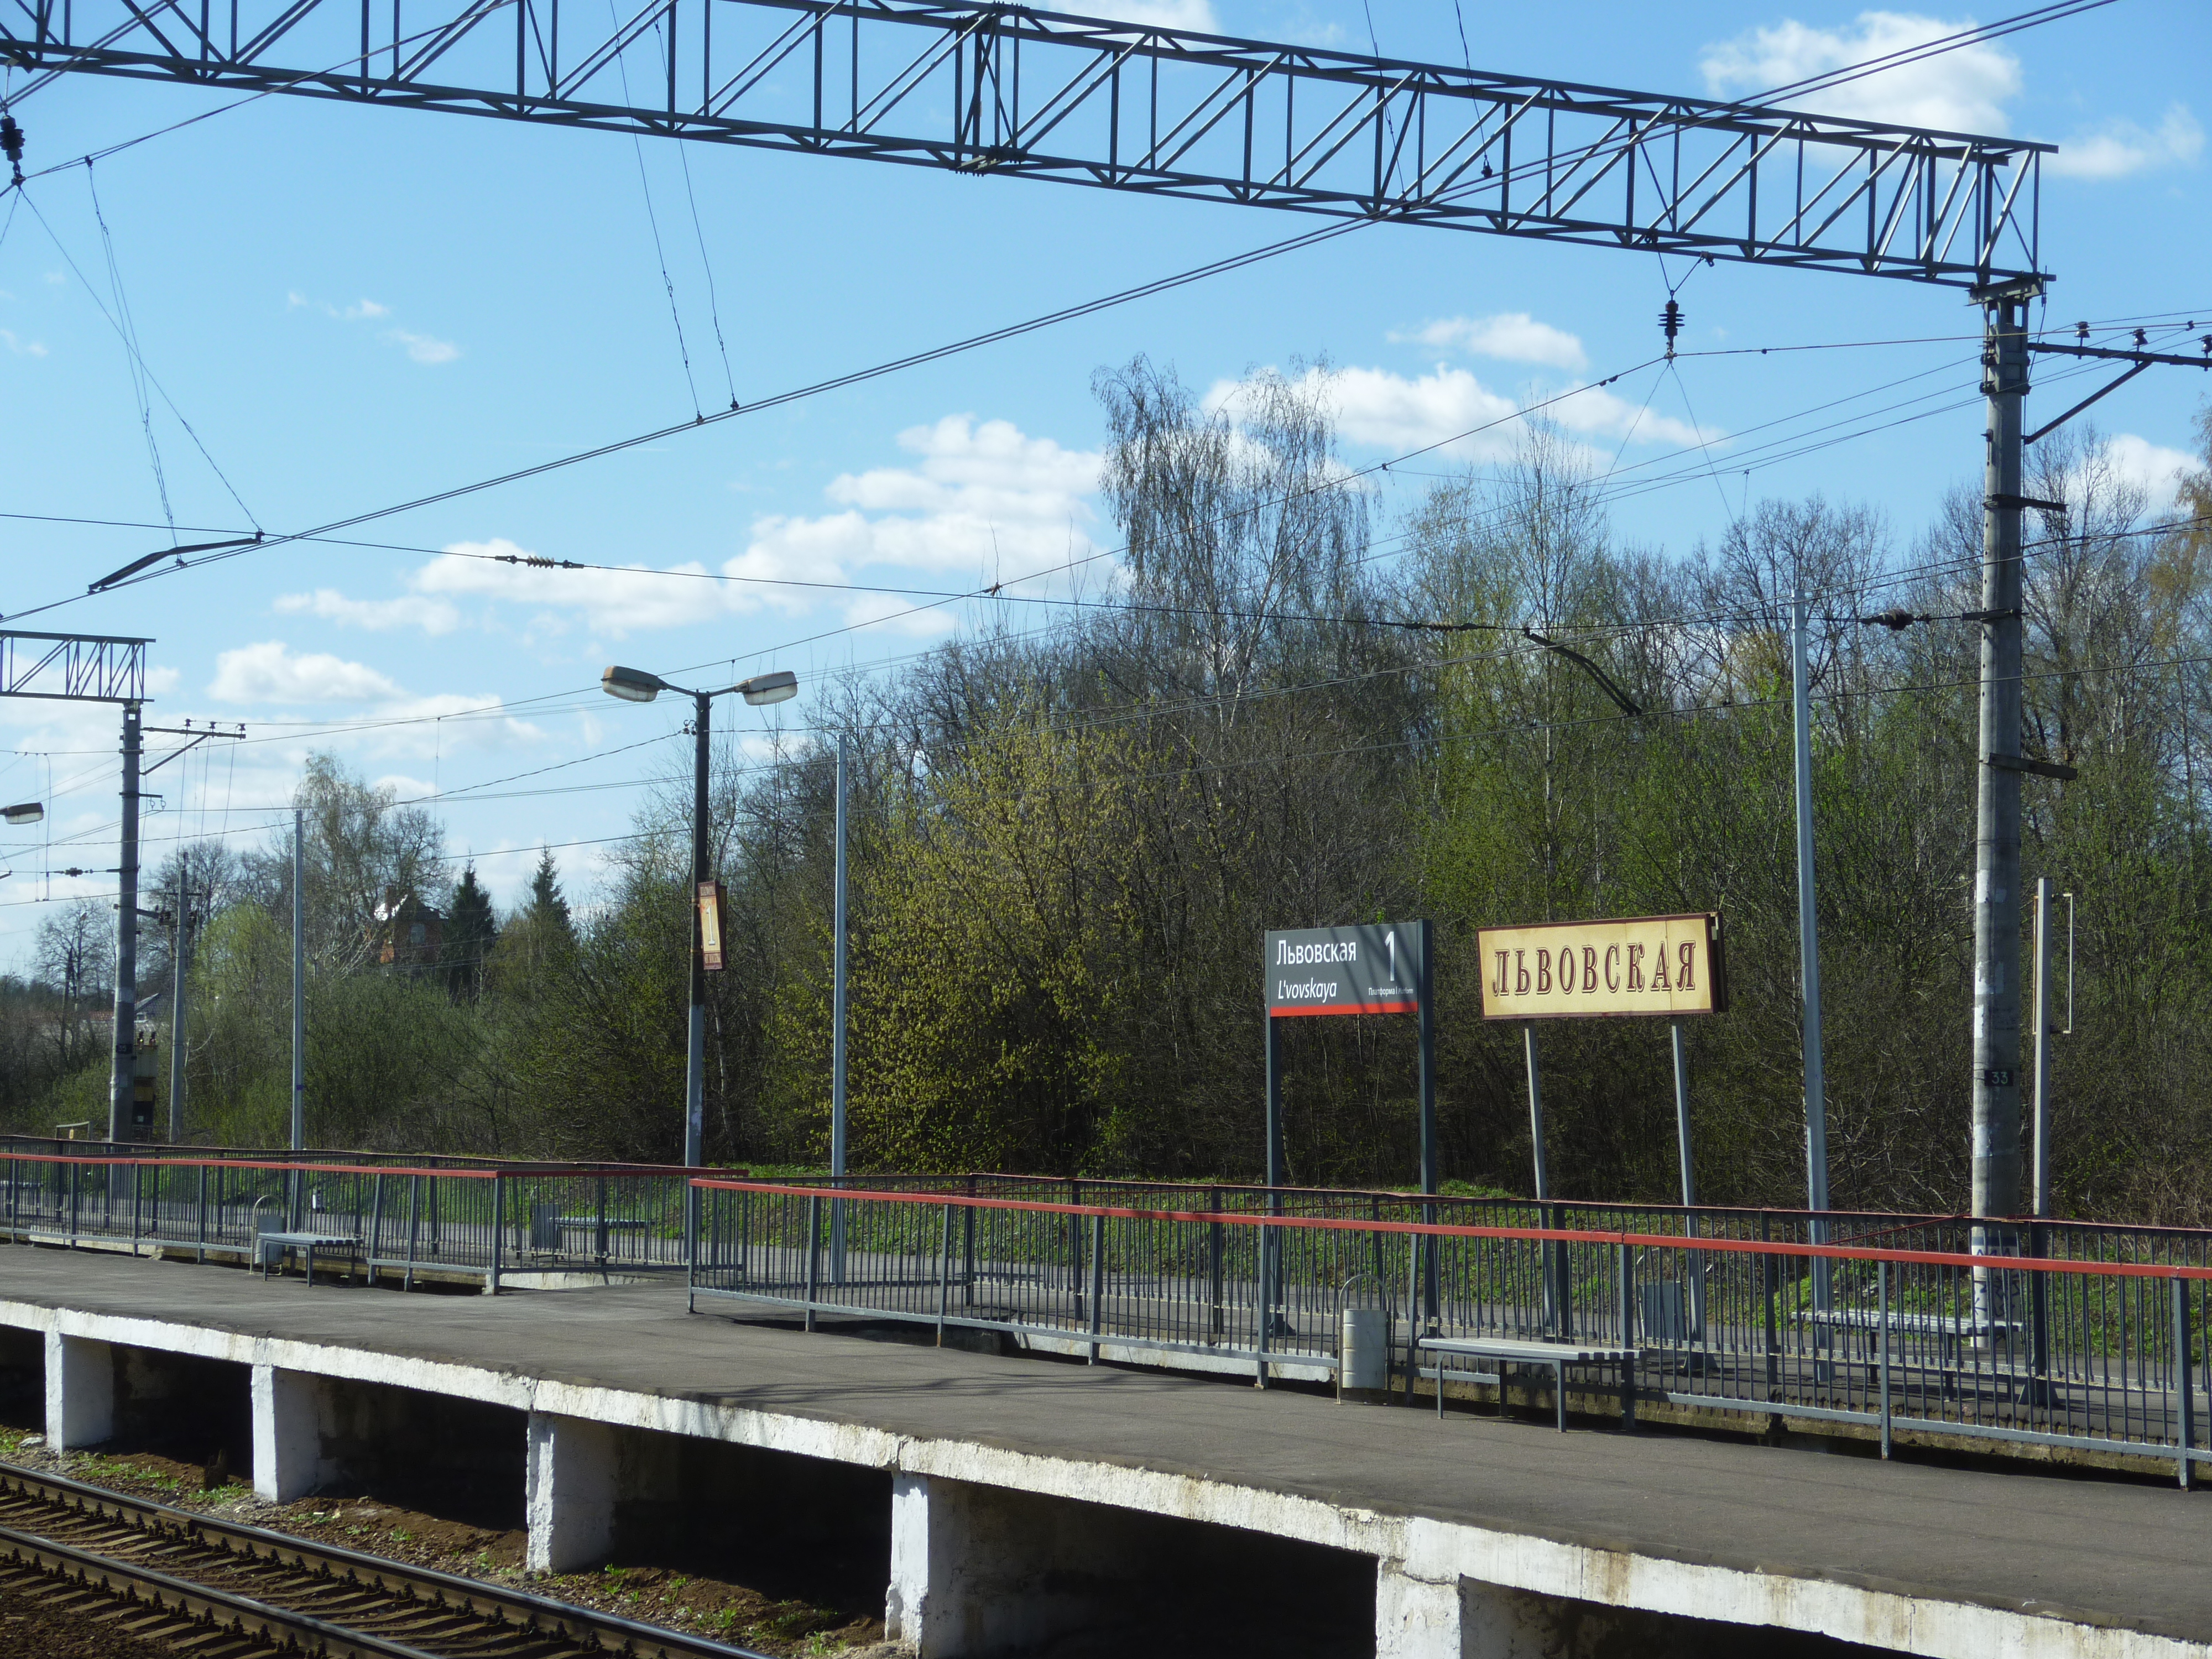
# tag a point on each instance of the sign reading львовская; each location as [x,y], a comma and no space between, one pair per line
[1345,971]
[1664,965]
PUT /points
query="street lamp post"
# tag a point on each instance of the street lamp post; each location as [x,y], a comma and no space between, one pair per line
[635,685]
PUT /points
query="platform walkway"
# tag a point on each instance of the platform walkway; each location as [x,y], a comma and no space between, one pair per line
[1907,1557]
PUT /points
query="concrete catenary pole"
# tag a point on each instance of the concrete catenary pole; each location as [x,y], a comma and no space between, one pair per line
[123,1072]
[180,933]
[1996,1146]
[299,980]
[1809,921]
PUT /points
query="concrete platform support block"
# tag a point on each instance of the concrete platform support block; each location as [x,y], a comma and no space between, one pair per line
[1459,1619]
[292,1412]
[80,1392]
[571,1491]
[977,1570]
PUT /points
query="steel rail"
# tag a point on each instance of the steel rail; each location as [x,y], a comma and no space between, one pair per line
[231,1613]
[589,1629]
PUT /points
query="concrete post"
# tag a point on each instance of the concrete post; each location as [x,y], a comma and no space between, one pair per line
[1456,1618]
[570,1493]
[978,1571]
[289,1412]
[80,1392]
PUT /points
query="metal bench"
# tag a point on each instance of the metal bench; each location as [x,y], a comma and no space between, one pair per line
[549,1229]
[1513,1350]
[1949,1330]
[270,1245]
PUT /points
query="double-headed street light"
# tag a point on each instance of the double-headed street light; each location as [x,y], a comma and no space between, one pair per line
[635,685]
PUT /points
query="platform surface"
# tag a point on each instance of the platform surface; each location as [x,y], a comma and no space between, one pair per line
[2101,1549]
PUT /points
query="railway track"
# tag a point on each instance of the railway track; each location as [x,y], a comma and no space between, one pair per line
[220,1589]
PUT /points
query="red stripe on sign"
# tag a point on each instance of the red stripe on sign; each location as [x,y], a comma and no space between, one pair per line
[1347,1008]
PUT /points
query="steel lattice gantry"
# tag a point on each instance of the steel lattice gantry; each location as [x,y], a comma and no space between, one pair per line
[997,89]
[72,667]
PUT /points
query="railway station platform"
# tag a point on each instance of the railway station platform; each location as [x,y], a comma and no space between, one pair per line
[1025,1496]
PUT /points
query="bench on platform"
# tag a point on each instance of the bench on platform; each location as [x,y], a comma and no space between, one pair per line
[1505,1350]
[1949,1330]
[549,1229]
[269,1245]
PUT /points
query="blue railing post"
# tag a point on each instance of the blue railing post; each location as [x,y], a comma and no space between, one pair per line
[813,1254]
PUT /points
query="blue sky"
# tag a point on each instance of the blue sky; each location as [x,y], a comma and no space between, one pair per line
[353,307]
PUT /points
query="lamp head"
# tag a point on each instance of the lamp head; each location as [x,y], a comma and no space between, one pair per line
[769,688]
[29,812]
[632,684]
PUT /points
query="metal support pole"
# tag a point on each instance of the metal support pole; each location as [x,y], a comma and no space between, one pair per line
[1682,1118]
[838,1129]
[1536,1114]
[2042,1210]
[1997,828]
[1809,923]
[1694,1262]
[298,1007]
[694,1068]
[1275,1152]
[181,931]
[1808,956]
[1431,1171]
[123,1070]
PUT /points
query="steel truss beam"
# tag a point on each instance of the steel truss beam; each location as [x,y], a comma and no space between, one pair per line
[90,667]
[998,89]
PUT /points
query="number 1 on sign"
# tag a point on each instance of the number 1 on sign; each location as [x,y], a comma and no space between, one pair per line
[1390,938]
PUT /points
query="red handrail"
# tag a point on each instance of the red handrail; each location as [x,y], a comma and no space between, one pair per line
[1447,1230]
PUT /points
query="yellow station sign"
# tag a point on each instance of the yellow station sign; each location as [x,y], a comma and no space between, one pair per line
[1666,966]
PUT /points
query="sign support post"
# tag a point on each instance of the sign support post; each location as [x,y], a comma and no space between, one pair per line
[1628,968]
[1378,968]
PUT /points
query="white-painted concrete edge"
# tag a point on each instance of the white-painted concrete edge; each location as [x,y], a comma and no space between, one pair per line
[1424,1548]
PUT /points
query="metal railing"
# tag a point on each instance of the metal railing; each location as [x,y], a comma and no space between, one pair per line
[2072,1334]
[401,1218]
[2051,1334]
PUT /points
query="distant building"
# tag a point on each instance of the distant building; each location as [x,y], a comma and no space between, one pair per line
[408,933]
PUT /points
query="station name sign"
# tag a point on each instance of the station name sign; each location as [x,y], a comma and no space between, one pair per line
[1371,970]
[1668,966]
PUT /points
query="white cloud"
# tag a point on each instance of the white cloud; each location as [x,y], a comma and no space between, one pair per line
[2123,148]
[269,672]
[2153,466]
[21,348]
[986,502]
[423,347]
[1164,14]
[1383,410]
[1963,90]
[614,602]
[1514,337]
[411,611]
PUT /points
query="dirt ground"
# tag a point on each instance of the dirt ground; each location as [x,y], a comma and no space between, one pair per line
[730,1612]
